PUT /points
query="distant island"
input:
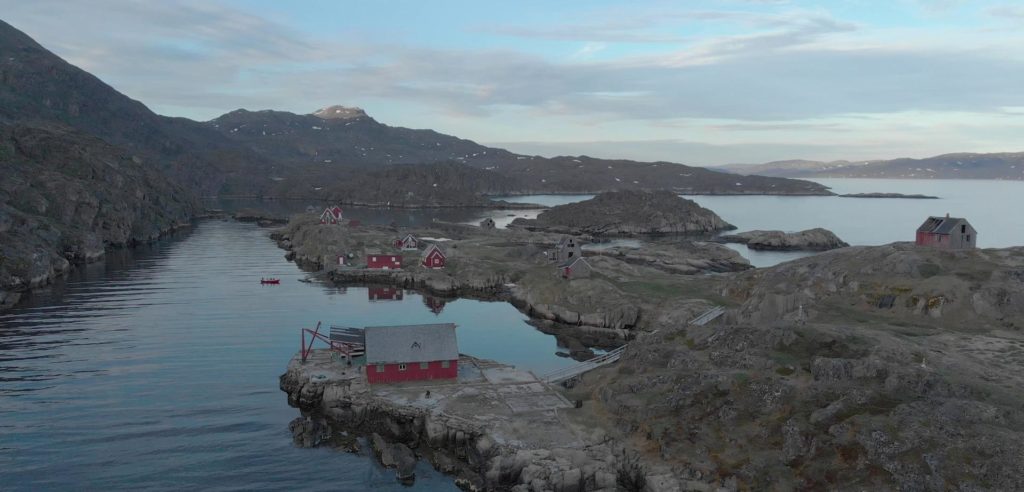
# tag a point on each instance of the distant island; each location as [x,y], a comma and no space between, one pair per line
[1006,165]
[889,195]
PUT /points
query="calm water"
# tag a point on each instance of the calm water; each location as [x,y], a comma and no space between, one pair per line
[993,207]
[158,369]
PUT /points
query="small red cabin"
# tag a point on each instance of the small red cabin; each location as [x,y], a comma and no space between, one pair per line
[433,257]
[409,242]
[384,262]
[411,353]
[331,215]
[950,233]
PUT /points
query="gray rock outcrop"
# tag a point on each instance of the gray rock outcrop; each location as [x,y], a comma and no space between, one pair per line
[816,239]
[627,213]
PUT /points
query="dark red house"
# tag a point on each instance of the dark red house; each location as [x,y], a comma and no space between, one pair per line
[951,233]
[331,215]
[384,262]
[411,353]
[433,257]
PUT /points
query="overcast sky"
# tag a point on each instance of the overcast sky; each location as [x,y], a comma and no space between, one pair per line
[694,82]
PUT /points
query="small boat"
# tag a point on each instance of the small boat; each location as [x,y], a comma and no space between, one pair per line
[264,281]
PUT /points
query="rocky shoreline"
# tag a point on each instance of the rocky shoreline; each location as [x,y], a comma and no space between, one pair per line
[463,429]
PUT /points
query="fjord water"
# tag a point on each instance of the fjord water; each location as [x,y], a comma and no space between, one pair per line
[993,207]
[157,369]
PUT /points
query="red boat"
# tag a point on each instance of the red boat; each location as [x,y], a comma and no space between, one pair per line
[271,280]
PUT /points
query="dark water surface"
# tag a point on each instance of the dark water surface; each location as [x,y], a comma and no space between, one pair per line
[158,369]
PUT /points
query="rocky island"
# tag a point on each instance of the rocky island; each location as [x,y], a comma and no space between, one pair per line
[627,213]
[816,239]
[889,195]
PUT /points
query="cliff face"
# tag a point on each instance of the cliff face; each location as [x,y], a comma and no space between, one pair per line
[66,196]
[628,213]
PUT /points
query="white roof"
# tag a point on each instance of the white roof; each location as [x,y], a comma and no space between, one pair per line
[411,343]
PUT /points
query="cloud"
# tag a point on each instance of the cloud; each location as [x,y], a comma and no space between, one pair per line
[759,73]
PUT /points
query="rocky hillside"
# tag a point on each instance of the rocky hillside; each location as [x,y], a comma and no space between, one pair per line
[66,196]
[628,213]
[38,86]
[902,373]
[1007,165]
[442,184]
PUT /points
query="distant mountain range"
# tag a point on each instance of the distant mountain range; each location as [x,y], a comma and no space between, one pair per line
[946,166]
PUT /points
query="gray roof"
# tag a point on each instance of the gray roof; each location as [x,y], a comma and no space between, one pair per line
[941,225]
[572,263]
[411,343]
[433,246]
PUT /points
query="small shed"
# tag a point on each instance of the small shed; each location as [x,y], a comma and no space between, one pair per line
[310,209]
[407,242]
[331,215]
[949,233]
[578,268]
[384,262]
[487,223]
[566,250]
[384,294]
[434,257]
[411,353]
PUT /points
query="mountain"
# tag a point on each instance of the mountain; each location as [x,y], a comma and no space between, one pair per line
[339,136]
[38,87]
[946,166]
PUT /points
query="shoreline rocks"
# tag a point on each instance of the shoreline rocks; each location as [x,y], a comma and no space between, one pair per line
[817,239]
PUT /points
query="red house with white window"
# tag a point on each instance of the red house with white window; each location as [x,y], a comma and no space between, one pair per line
[331,215]
[384,262]
[433,257]
[411,353]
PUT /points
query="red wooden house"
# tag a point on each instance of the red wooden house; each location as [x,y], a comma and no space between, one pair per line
[384,262]
[433,257]
[947,232]
[409,242]
[384,293]
[411,353]
[331,215]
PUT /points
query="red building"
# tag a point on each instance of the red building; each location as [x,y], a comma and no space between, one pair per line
[411,353]
[331,215]
[409,242]
[384,262]
[947,232]
[384,293]
[433,257]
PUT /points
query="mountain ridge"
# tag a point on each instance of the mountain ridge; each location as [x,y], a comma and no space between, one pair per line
[956,165]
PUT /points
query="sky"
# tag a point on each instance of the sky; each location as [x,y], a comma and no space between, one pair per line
[696,82]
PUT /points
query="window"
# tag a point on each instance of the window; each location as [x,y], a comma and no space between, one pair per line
[963,228]
[444,364]
[373,258]
[968,238]
[380,367]
[402,367]
[424,365]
